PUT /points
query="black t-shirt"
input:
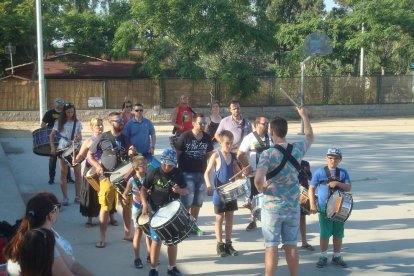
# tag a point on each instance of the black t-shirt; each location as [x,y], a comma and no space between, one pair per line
[160,184]
[114,149]
[50,117]
[194,153]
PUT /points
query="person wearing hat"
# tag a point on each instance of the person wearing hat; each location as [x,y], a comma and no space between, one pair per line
[164,184]
[48,121]
[324,181]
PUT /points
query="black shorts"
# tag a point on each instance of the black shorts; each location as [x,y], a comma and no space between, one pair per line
[226,207]
[253,189]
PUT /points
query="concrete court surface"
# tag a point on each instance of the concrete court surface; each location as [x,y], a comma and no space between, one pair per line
[378,154]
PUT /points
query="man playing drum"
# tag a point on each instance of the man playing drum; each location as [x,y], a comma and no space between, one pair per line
[249,151]
[280,210]
[165,184]
[48,120]
[114,145]
[325,180]
[193,148]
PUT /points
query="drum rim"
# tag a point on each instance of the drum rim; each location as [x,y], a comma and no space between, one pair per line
[164,207]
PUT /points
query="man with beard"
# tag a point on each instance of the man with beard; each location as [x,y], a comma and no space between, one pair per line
[114,145]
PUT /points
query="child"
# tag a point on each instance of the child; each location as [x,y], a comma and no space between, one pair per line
[304,177]
[325,179]
[223,161]
[140,165]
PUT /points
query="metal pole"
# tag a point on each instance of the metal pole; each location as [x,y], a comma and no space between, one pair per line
[361,58]
[302,90]
[40,69]
[11,57]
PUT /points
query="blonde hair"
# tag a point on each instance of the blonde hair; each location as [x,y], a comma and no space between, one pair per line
[136,160]
[95,121]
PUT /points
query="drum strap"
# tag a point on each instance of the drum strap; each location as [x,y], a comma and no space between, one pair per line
[330,178]
[263,145]
[287,155]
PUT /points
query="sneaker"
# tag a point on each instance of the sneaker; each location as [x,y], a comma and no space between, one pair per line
[323,261]
[252,225]
[138,263]
[230,250]
[153,272]
[51,181]
[174,271]
[338,261]
[65,201]
[70,180]
[199,232]
[77,199]
[221,249]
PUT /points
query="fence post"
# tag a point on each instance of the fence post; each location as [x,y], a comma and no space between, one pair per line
[161,91]
[379,89]
[325,97]
[271,91]
[105,93]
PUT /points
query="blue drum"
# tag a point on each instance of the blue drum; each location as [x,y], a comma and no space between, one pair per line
[154,164]
[41,143]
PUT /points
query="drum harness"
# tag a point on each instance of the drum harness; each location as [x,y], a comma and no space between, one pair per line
[287,156]
[263,145]
[331,178]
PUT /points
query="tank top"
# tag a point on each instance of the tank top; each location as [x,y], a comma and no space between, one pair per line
[97,155]
[224,173]
[185,118]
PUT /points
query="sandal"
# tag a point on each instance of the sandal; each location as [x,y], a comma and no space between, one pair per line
[89,225]
[130,239]
[100,244]
[308,247]
[114,223]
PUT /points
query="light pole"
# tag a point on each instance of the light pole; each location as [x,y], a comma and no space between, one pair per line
[302,90]
[40,70]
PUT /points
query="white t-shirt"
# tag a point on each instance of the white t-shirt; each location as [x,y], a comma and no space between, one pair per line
[67,133]
[249,145]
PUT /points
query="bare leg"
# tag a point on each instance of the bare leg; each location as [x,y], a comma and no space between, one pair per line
[103,224]
[148,242]
[172,254]
[303,230]
[271,260]
[155,253]
[218,227]
[194,211]
[127,216]
[324,244]
[337,245]
[78,179]
[63,179]
[228,228]
[292,259]
[136,241]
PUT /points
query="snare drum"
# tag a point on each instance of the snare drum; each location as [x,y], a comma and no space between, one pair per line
[41,142]
[231,191]
[172,223]
[143,222]
[93,179]
[68,153]
[117,178]
[339,206]
[257,203]
[305,201]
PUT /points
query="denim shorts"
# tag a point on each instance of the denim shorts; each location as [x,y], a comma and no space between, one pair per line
[196,189]
[280,223]
[153,235]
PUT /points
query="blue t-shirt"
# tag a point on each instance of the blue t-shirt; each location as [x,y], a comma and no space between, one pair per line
[136,191]
[320,180]
[139,134]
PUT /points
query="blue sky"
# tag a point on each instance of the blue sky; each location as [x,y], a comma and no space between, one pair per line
[329,4]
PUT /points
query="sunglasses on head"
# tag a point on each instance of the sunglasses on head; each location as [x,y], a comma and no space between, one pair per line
[56,207]
[119,121]
[69,105]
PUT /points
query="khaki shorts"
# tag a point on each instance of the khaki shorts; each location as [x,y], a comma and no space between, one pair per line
[129,204]
[107,195]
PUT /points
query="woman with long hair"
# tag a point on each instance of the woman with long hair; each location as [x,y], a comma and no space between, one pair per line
[70,130]
[126,113]
[214,120]
[42,211]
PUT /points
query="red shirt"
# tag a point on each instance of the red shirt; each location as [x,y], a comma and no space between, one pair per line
[184,118]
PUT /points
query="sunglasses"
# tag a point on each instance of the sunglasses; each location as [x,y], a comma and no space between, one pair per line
[139,110]
[202,123]
[69,105]
[266,124]
[119,121]
[333,158]
[56,207]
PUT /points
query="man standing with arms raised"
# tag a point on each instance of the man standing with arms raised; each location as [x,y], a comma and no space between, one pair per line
[141,133]
[236,124]
[194,148]
[281,211]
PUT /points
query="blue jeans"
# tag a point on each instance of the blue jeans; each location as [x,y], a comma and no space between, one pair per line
[196,189]
[280,223]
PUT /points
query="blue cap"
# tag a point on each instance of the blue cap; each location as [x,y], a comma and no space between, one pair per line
[169,157]
[59,101]
[334,152]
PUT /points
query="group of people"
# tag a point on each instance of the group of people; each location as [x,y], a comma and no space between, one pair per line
[204,146]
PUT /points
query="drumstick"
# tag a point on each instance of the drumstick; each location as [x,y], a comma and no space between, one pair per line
[287,96]
[237,174]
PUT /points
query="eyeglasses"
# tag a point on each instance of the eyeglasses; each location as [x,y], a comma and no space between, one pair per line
[69,105]
[202,123]
[128,106]
[142,166]
[139,110]
[56,207]
[266,124]
[119,121]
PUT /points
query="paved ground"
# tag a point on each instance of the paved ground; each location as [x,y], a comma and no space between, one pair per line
[378,153]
